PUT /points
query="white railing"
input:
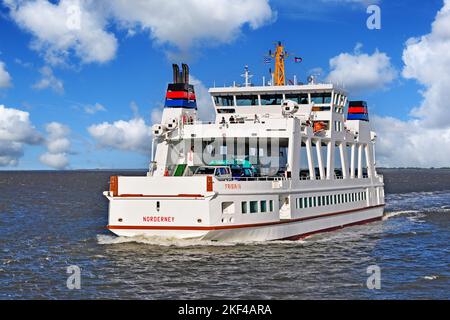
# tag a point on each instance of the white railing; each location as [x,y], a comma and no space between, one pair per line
[253,179]
[303,178]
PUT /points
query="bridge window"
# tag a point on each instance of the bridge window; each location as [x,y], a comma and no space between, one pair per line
[247,100]
[224,101]
[321,98]
[301,98]
[271,99]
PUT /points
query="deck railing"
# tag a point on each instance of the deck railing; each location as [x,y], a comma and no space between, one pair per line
[304,178]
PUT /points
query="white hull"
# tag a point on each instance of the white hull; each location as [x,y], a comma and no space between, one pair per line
[287,230]
[291,229]
[218,215]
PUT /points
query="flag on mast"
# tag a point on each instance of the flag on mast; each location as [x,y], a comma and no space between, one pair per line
[298,59]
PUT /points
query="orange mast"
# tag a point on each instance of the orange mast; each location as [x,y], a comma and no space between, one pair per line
[279,77]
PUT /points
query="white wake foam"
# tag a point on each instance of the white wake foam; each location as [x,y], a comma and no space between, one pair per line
[392,214]
[160,241]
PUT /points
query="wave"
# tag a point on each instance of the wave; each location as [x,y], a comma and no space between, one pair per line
[433,277]
[168,242]
[160,241]
[392,214]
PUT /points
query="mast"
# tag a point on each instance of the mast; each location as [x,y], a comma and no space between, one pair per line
[279,56]
[246,75]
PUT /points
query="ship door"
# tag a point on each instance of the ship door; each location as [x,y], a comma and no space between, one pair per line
[285,207]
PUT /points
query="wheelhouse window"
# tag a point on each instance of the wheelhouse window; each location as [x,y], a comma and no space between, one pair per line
[224,101]
[301,98]
[321,98]
[247,100]
[271,99]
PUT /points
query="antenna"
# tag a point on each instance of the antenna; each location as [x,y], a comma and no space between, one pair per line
[247,75]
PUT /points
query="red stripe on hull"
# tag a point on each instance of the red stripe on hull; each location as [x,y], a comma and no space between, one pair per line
[304,235]
[160,196]
[193,228]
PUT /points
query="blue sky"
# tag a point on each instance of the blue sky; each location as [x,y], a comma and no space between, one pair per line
[77,92]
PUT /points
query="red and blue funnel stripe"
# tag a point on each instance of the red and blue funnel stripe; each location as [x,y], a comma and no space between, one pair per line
[357,110]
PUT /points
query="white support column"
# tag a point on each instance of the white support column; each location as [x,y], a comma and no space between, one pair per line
[161,158]
[312,171]
[294,145]
[374,162]
[369,160]
[330,160]
[352,161]
[360,153]
[152,155]
[343,154]
[320,158]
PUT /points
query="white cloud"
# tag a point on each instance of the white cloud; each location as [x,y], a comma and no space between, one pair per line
[57,33]
[185,22]
[361,72]
[5,78]
[58,146]
[410,144]
[156,114]
[179,23]
[427,60]
[132,135]
[424,138]
[16,131]
[22,63]
[49,80]
[55,160]
[91,109]
[135,109]
[205,108]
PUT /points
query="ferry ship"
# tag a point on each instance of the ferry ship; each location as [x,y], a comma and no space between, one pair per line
[280,161]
